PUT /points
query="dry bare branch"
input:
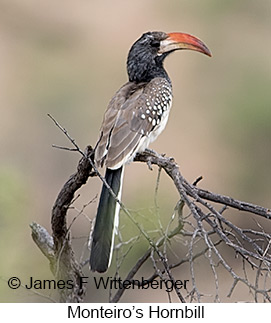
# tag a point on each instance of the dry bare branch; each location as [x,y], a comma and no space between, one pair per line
[200,223]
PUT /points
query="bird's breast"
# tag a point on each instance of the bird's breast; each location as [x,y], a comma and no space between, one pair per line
[159,122]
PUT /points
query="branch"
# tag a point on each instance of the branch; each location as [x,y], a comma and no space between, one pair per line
[66,195]
[253,246]
[58,248]
[172,169]
[43,240]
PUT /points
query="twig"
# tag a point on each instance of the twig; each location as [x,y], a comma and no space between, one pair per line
[252,245]
[172,168]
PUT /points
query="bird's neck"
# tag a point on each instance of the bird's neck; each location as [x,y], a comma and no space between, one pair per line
[145,71]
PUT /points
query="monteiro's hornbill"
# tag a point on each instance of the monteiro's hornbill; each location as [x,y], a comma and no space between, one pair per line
[135,116]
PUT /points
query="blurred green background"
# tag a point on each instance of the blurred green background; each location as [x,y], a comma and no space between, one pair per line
[67,58]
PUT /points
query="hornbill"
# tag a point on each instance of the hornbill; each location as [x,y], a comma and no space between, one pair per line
[135,116]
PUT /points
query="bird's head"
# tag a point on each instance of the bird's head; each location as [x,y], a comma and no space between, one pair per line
[146,56]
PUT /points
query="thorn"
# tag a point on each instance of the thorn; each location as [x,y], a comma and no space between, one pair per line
[93,174]
[149,165]
[197,180]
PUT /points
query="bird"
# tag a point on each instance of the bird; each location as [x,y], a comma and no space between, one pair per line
[134,118]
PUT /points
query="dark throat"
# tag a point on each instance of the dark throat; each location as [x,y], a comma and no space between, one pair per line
[144,69]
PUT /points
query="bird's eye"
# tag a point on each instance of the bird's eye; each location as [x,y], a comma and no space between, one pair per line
[155,43]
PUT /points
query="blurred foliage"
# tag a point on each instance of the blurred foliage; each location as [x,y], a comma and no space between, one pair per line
[13,195]
[14,202]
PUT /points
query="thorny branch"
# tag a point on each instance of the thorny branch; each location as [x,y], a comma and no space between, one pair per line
[203,228]
[58,248]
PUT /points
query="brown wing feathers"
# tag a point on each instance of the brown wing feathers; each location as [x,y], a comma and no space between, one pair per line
[126,120]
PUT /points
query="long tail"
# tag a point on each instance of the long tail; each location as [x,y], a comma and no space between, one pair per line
[106,220]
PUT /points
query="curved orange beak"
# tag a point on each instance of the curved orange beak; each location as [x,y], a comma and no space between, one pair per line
[176,41]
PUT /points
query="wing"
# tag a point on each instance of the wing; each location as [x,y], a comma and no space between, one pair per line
[134,111]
